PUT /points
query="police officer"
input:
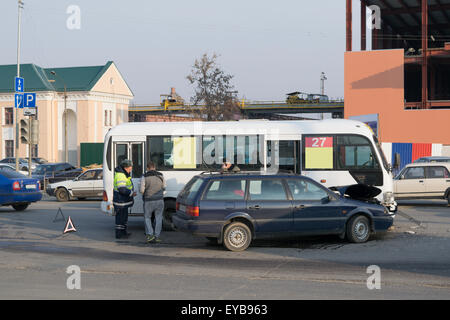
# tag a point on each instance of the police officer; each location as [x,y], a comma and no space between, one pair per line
[123,197]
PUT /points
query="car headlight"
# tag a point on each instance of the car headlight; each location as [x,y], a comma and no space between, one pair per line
[388,197]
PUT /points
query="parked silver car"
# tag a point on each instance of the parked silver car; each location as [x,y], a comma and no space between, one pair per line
[86,185]
[423,181]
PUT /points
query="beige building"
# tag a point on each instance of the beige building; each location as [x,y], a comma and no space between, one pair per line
[97,99]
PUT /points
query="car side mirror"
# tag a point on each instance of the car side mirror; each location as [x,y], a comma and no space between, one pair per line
[326,199]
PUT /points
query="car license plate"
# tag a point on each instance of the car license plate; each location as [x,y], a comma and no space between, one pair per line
[182,207]
[30,186]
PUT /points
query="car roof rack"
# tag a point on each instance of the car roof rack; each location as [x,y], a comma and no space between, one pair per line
[230,173]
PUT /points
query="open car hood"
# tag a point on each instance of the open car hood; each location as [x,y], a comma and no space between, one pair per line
[358,191]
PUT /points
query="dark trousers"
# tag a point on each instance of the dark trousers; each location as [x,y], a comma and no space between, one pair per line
[121,221]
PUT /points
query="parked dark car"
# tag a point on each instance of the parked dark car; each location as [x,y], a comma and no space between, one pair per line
[39,160]
[235,209]
[17,190]
[432,159]
[23,163]
[56,172]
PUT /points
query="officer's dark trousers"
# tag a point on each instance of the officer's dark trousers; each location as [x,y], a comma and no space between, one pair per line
[121,221]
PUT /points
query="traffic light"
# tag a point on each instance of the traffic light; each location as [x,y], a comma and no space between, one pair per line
[34,131]
[24,131]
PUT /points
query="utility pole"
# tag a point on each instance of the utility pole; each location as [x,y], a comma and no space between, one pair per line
[20,7]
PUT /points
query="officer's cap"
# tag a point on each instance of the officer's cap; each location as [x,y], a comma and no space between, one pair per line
[126,163]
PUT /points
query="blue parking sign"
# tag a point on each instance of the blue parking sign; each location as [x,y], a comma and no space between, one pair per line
[29,100]
[19,84]
[18,100]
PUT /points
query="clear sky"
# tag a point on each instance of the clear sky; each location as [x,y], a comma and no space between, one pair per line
[271,47]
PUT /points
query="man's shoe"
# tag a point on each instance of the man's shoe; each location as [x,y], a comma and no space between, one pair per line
[158,240]
[150,238]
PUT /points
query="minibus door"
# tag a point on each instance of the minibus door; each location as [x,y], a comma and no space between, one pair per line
[137,157]
[133,151]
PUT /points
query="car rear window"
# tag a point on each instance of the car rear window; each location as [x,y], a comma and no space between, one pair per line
[11,174]
[191,188]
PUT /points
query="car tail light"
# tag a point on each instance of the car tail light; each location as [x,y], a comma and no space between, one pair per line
[193,211]
[39,185]
[16,186]
[177,206]
[105,196]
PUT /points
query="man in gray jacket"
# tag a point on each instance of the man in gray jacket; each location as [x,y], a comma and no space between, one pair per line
[152,188]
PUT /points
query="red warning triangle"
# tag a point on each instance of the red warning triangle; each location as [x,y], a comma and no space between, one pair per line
[69,226]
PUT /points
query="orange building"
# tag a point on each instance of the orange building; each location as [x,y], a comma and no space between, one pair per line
[405,77]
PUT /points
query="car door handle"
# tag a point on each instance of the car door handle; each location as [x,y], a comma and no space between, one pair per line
[421,181]
[301,206]
[256,207]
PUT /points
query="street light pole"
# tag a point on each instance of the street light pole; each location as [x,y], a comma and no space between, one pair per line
[20,7]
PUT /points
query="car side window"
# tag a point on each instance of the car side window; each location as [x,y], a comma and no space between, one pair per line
[100,175]
[415,173]
[88,175]
[267,189]
[226,189]
[305,190]
[437,173]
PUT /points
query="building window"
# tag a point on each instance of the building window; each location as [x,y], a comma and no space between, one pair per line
[9,116]
[9,148]
[108,118]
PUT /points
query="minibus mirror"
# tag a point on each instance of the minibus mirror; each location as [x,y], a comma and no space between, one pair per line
[397,160]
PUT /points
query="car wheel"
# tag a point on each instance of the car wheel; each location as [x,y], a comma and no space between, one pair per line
[237,236]
[448,199]
[20,207]
[62,195]
[358,229]
[169,210]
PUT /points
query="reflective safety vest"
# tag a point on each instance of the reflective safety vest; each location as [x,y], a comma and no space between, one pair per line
[121,181]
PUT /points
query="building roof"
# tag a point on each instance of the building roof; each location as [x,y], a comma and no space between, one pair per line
[37,78]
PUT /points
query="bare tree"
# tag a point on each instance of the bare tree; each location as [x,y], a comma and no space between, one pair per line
[213,89]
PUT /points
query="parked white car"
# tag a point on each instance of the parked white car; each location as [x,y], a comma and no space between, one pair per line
[86,185]
[423,181]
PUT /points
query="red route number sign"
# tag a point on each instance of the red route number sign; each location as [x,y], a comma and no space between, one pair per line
[319,142]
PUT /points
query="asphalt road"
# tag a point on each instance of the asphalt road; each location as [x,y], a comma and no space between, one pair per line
[414,260]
